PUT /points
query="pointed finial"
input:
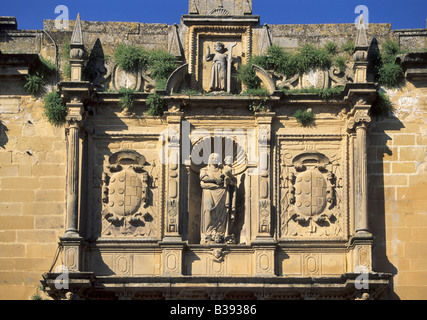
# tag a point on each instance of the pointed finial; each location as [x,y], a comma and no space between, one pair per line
[77,37]
[361,38]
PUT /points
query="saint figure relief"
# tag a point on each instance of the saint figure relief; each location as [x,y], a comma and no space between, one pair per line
[218,201]
[219,67]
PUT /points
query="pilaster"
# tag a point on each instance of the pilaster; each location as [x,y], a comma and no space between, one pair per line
[173,177]
[264,174]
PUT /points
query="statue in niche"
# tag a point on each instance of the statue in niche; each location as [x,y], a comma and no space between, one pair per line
[218,210]
[221,66]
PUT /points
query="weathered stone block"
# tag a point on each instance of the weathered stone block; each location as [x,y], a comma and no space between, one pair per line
[403,167]
[16,222]
[12,250]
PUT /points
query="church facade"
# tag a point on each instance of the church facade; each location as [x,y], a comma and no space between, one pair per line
[266,162]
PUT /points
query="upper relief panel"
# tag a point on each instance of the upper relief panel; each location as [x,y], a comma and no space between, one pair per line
[220,7]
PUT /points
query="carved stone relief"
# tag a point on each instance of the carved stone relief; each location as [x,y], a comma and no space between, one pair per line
[126,196]
[236,50]
[319,79]
[312,203]
[139,80]
[220,184]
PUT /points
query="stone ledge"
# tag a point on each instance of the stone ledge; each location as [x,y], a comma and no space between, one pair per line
[338,287]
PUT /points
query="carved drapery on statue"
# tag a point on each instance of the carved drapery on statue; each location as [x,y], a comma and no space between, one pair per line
[221,67]
[218,201]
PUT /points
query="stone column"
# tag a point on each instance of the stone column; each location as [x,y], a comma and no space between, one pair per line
[74,120]
[362,120]
[71,241]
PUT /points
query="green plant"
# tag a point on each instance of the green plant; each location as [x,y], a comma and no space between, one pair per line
[38,74]
[304,117]
[284,62]
[126,98]
[348,47]
[191,92]
[382,106]
[34,84]
[386,71]
[162,64]
[246,74]
[65,55]
[261,92]
[389,49]
[258,106]
[129,57]
[341,63]
[325,94]
[331,48]
[54,108]
[390,75]
[310,57]
[156,105]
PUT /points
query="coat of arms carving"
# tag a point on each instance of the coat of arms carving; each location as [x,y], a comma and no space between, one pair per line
[310,202]
[126,197]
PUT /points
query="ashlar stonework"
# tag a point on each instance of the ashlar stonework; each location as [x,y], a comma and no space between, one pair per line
[222,195]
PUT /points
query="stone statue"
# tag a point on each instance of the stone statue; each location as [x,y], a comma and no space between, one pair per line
[218,201]
[219,67]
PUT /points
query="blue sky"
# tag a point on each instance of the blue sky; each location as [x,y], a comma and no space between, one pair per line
[401,14]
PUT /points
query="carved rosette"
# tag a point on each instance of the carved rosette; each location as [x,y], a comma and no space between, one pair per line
[311,198]
[126,196]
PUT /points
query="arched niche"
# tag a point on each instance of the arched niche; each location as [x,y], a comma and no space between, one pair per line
[201,149]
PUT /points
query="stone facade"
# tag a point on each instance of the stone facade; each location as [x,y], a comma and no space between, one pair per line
[126,199]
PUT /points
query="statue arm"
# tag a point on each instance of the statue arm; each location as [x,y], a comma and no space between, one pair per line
[209,56]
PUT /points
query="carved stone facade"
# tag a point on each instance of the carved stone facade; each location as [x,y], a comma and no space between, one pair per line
[212,200]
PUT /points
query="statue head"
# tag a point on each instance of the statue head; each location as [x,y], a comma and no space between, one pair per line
[214,159]
[228,160]
[219,47]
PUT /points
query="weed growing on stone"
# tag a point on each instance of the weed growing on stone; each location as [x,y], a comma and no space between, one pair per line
[156,105]
[55,109]
[159,63]
[304,117]
[126,98]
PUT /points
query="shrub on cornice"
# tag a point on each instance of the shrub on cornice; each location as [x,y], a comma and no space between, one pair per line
[160,63]
[54,108]
[126,98]
[382,107]
[288,63]
[325,94]
[304,117]
[156,105]
[386,71]
[390,75]
[310,57]
[130,58]
[34,84]
[246,74]
[39,73]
